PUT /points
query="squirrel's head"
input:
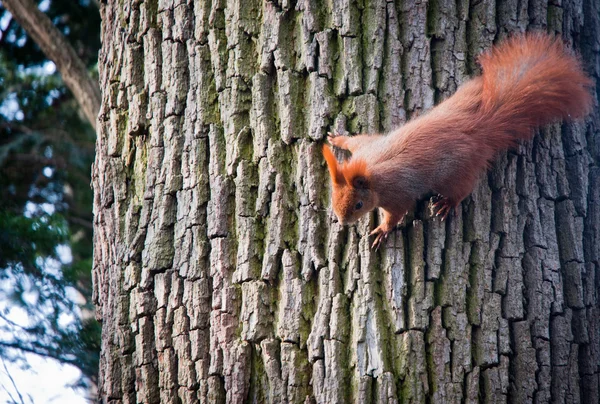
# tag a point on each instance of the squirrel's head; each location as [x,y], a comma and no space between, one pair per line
[352,196]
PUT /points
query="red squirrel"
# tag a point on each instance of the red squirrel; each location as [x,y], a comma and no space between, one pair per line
[527,81]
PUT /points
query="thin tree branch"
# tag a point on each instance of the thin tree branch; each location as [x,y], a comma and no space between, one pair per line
[17,127]
[82,222]
[13,383]
[57,48]
[43,352]
[12,399]
[10,322]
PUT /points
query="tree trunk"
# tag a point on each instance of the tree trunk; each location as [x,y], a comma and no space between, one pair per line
[220,273]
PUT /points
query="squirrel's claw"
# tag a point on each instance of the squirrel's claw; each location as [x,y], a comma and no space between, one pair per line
[380,236]
[444,207]
[337,140]
[331,137]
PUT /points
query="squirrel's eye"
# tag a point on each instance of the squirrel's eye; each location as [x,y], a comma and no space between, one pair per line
[359,205]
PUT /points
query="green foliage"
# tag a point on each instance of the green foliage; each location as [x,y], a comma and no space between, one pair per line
[46,151]
[26,240]
[77,20]
[33,283]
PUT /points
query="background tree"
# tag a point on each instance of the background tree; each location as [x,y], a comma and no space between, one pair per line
[46,150]
[220,273]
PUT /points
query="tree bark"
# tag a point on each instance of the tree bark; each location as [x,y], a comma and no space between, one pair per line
[56,47]
[220,274]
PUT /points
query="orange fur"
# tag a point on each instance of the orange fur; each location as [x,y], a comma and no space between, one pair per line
[353,169]
[335,172]
[527,81]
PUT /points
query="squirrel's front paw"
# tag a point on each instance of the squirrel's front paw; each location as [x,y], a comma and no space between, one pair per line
[337,140]
[381,233]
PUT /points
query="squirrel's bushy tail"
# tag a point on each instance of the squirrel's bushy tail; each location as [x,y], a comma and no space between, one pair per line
[528,81]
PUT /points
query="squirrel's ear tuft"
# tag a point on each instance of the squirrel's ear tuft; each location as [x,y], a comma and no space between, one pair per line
[356,174]
[333,165]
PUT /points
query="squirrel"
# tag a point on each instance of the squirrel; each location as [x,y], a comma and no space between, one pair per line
[527,81]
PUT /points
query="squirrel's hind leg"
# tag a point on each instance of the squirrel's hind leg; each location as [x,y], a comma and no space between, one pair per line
[452,193]
[444,206]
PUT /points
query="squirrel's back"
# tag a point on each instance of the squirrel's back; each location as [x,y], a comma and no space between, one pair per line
[528,81]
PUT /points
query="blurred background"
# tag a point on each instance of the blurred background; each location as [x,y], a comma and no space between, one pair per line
[49,339]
